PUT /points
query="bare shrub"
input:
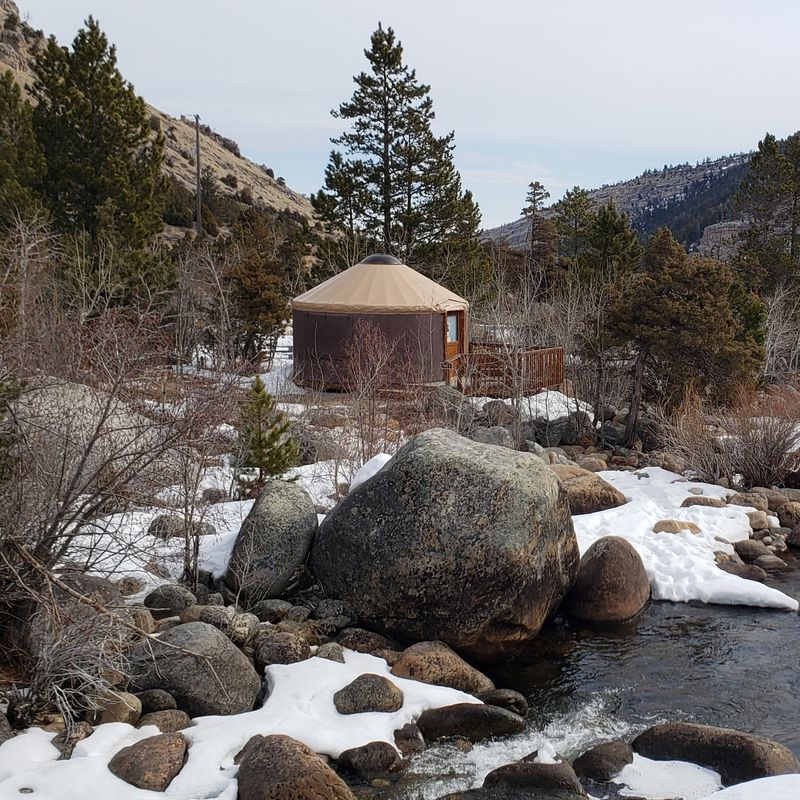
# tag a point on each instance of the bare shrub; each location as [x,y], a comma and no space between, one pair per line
[758,442]
[692,434]
[765,437]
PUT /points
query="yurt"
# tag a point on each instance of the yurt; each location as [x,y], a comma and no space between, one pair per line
[425,323]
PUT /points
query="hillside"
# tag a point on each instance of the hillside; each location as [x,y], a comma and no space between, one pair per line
[685,198]
[235,173]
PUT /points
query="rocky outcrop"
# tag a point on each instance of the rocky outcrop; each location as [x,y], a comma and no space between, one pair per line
[437,664]
[273,541]
[737,756]
[281,768]
[452,540]
[586,491]
[612,585]
[200,667]
[151,763]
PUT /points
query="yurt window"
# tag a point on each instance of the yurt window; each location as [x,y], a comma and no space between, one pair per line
[452,326]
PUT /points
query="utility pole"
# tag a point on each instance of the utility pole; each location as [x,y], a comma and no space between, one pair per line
[197,177]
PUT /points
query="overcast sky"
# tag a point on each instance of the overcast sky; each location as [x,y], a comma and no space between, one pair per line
[572,92]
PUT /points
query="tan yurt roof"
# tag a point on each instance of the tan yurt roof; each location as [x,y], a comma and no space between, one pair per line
[379,285]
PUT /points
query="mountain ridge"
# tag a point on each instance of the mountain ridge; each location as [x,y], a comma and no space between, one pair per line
[234,172]
[689,199]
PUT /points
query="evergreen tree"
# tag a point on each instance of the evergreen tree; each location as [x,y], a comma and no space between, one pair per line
[574,219]
[613,248]
[268,254]
[103,159]
[534,203]
[769,199]
[264,441]
[21,160]
[678,316]
[393,181]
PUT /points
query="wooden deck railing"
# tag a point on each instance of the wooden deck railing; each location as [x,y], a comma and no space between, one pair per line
[491,370]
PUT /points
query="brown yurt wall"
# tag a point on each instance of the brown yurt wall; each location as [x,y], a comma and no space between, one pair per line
[321,339]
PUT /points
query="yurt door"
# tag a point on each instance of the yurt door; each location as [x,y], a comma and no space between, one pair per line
[454,334]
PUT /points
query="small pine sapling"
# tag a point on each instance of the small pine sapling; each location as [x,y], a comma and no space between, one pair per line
[265,446]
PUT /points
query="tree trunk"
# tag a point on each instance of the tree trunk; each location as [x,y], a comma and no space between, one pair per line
[636,396]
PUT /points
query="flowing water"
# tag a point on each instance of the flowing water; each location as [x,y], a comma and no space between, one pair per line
[721,665]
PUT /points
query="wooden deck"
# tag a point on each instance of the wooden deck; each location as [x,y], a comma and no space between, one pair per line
[493,370]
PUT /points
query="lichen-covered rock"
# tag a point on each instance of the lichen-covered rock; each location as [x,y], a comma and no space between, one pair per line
[156,700]
[452,540]
[279,647]
[273,541]
[437,664]
[200,667]
[367,693]
[699,500]
[789,514]
[5,729]
[737,756]
[752,499]
[612,585]
[117,707]
[281,768]
[168,600]
[150,763]
[364,641]
[370,761]
[587,492]
[168,721]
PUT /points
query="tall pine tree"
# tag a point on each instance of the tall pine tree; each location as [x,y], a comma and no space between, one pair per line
[21,160]
[613,248]
[769,199]
[574,218]
[392,182]
[103,160]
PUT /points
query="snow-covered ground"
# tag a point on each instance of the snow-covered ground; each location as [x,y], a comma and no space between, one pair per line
[299,704]
[680,566]
[547,405]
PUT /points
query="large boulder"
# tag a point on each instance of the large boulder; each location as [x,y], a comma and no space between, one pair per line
[587,492]
[737,756]
[150,763]
[452,540]
[472,721]
[281,768]
[612,585]
[273,541]
[436,663]
[200,667]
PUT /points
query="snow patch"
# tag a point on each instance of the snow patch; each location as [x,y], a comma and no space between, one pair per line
[681,566]
[665,780]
